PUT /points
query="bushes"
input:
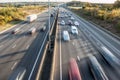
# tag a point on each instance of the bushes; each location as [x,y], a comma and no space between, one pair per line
[102,14]
[8,14]
[118,26]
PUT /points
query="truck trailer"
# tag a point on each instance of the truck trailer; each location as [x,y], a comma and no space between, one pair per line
[31,18]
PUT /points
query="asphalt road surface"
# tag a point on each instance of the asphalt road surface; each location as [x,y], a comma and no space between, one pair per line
[82,45]
[20,50]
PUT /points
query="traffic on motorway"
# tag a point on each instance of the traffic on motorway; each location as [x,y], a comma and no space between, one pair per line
[21,45]
[84,52]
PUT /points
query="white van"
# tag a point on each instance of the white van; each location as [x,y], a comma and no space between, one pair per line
[74,30]
[66,36]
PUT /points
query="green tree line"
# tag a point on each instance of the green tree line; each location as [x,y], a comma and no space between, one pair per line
[8,14]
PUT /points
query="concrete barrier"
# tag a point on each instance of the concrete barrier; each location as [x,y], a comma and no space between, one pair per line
[53,60]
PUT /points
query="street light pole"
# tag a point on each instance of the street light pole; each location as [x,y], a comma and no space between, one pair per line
[49,22]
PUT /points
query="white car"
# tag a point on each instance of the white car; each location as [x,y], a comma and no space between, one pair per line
[66,36]
[74,30]
[76,23]
[62,22]
[72,18]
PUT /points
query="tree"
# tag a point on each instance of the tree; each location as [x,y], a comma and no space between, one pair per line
[117,4]
[88,4]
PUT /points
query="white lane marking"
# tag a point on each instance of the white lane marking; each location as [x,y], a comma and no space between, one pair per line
[78,58]
[60,60]
[73,43]
[14,65]
[3,36]
[27,46]
[29,78]
[34,37]
[14,46]
[1,46]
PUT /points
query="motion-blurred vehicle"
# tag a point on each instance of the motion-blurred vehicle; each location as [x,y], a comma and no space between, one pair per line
[66,36]
[16,31]
[32,30]
[43,28]
[74,73]
[110,57]
[96,69]
[51,15]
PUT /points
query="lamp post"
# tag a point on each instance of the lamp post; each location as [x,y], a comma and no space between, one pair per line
[49,22]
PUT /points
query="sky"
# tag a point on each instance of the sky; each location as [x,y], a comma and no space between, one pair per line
[93,1]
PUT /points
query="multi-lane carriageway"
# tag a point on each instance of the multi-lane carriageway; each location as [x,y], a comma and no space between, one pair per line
[96,51]
[20,51]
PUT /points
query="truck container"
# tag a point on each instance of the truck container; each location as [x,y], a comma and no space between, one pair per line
[74,73]
[31,18]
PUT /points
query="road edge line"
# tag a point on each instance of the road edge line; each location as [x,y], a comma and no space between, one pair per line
[41,64]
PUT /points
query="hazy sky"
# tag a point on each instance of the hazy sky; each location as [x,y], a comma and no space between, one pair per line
[93,1]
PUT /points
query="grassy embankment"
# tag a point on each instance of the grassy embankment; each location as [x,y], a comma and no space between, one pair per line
[10,16]
[106,17]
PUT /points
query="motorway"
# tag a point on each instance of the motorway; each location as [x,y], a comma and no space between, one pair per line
[88,42]
[20,50]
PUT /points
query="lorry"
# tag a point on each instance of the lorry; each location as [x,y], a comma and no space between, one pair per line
[31,18]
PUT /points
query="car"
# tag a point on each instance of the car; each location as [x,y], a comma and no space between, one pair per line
[62,22]
[16,31]
[70,22]
[74,30]
[76,23]
[43,28]
[96,68]
[32,30]
[72,18]
[73,70]
[66,36]
[51,15]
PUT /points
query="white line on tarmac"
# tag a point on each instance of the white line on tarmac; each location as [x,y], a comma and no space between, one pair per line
[1,46]
[14,46]
[27,46]
[60,60]
[14,65]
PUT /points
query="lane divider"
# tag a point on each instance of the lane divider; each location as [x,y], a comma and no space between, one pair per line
[54,56]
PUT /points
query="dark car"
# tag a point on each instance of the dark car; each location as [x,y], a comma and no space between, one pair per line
[44,28]
[51,15]
[70,22]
